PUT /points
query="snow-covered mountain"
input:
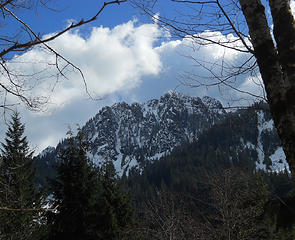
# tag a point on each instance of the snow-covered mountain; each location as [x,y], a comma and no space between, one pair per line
[261,138]
[131,135]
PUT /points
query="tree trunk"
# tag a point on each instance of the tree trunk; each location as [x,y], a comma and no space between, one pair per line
[276,65]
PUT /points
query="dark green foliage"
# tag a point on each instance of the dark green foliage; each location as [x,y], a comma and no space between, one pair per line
[226,204]
[266,214]
[115,210]
[188,163]
[19,201]
[45,169]
[90,205]
[280,209]
[186,169]
[75,192]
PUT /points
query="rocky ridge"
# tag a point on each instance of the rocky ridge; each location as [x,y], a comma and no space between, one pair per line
[132,135]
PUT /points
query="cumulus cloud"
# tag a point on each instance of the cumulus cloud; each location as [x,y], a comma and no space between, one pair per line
[199,66]
[292,4]
[127,63]
[111,60]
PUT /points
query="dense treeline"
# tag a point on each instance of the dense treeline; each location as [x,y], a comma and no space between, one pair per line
[202,190]
[197,171]
[20,203]
[185,168]
[227,200]
[85,202]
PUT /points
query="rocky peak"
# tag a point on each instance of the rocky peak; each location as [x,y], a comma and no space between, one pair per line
[132,135]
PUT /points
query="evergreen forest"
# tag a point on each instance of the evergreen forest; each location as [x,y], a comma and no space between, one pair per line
[193,193]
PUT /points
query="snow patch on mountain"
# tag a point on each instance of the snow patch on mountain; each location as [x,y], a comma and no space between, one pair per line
[260,126]
[130,135]
[277,156]
[133,135]
[278,159]
[213,104]
[46,151]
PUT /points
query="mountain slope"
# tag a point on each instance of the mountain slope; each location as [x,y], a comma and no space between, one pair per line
[245,139]
[134,135]
[130,135]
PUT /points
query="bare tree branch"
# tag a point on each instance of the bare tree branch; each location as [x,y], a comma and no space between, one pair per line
[20,85]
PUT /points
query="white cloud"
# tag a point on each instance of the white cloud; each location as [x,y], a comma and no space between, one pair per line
[292,5]
[111,60]
[126,62]
[197,65]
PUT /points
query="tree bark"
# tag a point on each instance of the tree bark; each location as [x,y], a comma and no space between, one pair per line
[276,65]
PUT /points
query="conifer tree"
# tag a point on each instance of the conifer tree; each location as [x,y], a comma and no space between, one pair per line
[89,203]
[115,209]
[75,192]
[20,203]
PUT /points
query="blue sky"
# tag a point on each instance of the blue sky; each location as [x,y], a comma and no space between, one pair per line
[45,21]
[123,57]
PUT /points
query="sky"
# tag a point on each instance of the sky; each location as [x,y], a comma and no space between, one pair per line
[123,57]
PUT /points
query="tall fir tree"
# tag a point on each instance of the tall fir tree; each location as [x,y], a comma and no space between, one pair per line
[74,192]
[115,209]
[20,202]
[84,208]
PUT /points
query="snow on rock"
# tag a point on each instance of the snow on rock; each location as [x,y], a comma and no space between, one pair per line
[213,104]
[46,151]
[131,134]
[260,126]
[278,160]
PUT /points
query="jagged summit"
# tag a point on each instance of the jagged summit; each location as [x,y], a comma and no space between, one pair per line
[132,135]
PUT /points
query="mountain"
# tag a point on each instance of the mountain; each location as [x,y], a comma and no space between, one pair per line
[245,139]
[133,135]
[130,135]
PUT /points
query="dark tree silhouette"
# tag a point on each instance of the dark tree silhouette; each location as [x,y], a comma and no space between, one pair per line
[20,203]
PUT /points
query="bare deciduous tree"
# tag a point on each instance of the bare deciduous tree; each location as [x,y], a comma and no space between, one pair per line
[263,32]
[236,207]
[229,205]
[166,217]
[17,37]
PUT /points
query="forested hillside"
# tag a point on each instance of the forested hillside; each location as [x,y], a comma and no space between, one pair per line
[133,136]
[228,181]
